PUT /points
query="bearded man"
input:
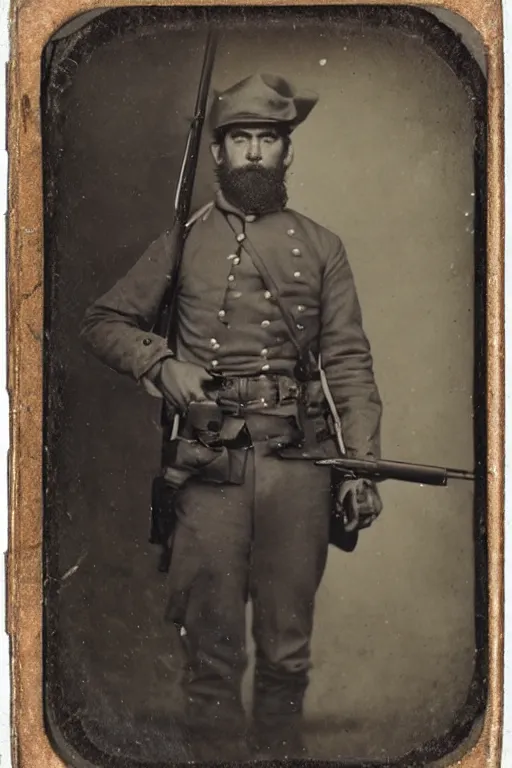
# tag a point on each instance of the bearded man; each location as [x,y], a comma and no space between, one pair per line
[259,283]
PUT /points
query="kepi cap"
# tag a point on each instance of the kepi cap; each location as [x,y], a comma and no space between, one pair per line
[261,98]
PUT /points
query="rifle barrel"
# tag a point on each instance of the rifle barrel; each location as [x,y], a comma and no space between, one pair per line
[186,178]
[204,82]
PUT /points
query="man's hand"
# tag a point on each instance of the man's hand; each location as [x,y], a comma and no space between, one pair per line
[180,383]
[359,503]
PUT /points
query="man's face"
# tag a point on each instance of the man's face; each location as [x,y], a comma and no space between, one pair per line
[251,166]
[245,146]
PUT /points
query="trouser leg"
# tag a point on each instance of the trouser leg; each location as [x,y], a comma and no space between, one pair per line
[208,580]
[291,530]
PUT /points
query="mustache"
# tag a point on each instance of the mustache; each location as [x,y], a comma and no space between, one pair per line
[273,175]
[256,168]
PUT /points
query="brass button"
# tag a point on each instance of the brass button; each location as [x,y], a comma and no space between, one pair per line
[146,342]
[216,346]
[231,278]
[265,367]
[222,313]
[232,256]
[250,218]
[236,294]
[267,295]
[301,307]
[215,363]
[290,232]
[296,274]
[240,238]
[300,327]
[213,342]
[265,323]
[296,251]
[236,261]
[264,352]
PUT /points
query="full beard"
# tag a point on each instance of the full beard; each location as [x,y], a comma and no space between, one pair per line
[253,189]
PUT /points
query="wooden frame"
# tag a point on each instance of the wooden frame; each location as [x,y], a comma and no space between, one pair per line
[32,23]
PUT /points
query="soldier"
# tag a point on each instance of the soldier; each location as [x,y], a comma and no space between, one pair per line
[258,282]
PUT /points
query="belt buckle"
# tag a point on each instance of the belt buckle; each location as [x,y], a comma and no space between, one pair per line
[288,389]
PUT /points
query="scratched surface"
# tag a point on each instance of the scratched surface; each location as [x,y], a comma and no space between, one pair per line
[387,162]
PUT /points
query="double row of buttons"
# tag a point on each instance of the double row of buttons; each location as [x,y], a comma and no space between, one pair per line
[235,259]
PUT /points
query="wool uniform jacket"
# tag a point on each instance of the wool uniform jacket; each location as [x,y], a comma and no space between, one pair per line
[229,321]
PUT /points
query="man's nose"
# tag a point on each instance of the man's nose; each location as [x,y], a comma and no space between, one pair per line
[254,151]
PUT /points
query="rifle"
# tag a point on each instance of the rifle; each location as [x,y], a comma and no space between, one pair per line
[377,471]
[162,496]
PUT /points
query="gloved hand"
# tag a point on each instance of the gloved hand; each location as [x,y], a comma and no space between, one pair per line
[359,503]
[180,383]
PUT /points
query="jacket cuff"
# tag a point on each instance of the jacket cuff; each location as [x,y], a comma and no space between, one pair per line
[150,350]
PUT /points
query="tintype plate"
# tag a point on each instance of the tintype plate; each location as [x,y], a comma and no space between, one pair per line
[353,183]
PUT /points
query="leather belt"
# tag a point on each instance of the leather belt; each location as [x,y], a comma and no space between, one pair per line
[235,394]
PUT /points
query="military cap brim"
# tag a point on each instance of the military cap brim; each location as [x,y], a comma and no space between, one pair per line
[261,99]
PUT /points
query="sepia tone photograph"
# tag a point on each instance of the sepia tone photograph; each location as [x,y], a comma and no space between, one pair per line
[264,371]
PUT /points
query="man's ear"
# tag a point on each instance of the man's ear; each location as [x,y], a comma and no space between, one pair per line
[288,158]
[216,151]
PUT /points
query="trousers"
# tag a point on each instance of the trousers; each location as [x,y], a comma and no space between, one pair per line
[265,541]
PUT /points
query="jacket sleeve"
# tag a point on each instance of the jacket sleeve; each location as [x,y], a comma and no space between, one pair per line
[347,359]
[117,327]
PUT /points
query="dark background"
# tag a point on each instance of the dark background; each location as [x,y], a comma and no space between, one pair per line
[387,161]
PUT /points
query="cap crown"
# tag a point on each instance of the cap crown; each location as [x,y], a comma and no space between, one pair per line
[261,98]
